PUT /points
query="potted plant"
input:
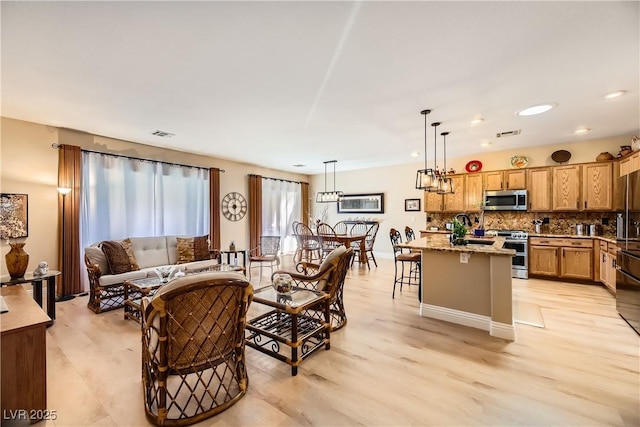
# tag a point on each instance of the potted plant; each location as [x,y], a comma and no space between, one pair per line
[459,232]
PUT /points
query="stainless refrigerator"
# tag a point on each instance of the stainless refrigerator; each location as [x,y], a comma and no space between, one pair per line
[628,258]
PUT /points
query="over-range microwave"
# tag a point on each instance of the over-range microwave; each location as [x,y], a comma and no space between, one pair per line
[505,200]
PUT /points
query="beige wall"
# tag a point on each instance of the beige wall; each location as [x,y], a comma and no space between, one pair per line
[398,183]
[30,165]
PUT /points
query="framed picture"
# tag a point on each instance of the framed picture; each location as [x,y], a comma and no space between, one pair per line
[362,203]
[412,205]
[14,216]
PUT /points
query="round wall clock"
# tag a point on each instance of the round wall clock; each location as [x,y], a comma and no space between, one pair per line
[234,206]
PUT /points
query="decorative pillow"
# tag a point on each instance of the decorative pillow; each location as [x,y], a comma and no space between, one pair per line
[185,250]
[97,257]
[117,257]
[132,257]
[192,249]
[201,248]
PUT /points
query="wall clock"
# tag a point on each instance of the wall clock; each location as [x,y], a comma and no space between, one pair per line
[234,206]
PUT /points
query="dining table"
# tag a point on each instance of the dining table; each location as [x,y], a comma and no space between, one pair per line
[347,239]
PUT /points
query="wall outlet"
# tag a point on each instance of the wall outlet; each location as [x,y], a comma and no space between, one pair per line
[545,220]
[605,221]
[428,219]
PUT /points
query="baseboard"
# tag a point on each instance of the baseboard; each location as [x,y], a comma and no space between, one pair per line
[495,329]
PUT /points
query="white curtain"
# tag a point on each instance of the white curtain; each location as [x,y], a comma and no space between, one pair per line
[281,206]
[123,197]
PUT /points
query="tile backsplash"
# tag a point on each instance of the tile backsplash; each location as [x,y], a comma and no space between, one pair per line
[559,222]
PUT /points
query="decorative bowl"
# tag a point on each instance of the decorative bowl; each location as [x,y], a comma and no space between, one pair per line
[164,272]
[282,283]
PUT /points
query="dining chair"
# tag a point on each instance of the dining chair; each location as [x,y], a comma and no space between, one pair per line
[265,253]
[193,359]
[328,239]
[307,244]
[369,240]
[341,227]
[358,229]
[411,259]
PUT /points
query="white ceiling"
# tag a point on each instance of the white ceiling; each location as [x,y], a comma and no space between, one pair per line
[284,83]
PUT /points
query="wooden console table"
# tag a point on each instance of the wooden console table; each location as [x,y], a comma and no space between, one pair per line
[24,357]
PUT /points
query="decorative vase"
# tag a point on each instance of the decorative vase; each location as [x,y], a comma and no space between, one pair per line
[17,260]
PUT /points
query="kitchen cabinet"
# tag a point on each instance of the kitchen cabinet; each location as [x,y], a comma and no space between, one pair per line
[566,188]
[597,186]
[433,202]
[608,253]
[630,163]
[473,187]
[539,189]
[455,202]
[543,260]
[561,257]
[505,180]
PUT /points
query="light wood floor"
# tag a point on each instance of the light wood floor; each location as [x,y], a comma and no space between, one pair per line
[387,367]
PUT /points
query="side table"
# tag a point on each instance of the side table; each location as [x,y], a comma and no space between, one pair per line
[36,282]
[232,257]
[290,324]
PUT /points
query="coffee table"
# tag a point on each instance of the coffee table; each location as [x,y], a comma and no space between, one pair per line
[135,290]
[292,323]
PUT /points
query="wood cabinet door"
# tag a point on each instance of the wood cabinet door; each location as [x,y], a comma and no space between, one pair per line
[515,179]
[432,202]
[566,188]
[543,260]
[576,263]
[539,189]
[455,202]
[597,186]
[611,273]
[493,180]
[473,192]
[604,267]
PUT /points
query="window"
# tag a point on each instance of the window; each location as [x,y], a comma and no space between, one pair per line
[281,206]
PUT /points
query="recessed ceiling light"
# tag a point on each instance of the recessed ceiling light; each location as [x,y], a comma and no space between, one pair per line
[299,165]
[615,94]
[582,130]
[535,109]
[477,121]
[415,154]
[485,144]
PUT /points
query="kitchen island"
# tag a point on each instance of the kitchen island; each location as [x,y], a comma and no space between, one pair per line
[469,285]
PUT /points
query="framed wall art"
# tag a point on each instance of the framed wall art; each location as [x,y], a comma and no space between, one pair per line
[412,205]
[362,203]
[14,217]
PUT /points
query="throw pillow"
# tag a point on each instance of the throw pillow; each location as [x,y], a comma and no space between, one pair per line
[201,248]
[116,256]
[132,257]
[192,249]
[185,249]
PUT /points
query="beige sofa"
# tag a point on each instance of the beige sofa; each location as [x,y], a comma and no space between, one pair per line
[107,290]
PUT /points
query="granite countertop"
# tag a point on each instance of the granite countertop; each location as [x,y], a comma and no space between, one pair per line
[606,238]
[440,242]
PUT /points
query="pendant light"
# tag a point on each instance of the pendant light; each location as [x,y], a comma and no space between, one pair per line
[425,178]
[445,185]
[329,196]
[436,173]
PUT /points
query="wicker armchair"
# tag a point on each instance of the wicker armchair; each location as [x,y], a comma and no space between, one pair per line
[328,277]
[193,363]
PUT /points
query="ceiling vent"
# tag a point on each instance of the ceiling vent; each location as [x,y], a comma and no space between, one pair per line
[163,134]
[508,133]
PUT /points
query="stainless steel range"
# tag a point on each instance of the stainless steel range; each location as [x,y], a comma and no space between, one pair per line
[518,240]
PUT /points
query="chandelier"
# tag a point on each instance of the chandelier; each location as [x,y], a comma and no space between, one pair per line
[426,178]
[445,185]
[329,196]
